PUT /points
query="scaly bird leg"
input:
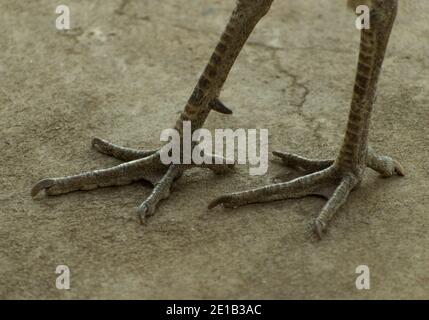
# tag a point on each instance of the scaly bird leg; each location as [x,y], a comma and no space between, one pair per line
[146,164]
[346,172]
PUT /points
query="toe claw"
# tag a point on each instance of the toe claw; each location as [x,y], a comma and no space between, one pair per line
[218,106]
[228,201]
[278,154]
[97,143]
[218,201]
[145,210]
[399,169]
[142,211]
[41,185]
[319,228]
[282,156]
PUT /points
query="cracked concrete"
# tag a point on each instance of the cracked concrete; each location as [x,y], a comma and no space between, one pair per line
[123,72]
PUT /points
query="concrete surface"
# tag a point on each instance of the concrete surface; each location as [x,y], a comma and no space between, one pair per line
[123,73]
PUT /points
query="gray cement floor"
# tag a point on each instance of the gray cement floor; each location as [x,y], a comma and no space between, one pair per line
[123,73]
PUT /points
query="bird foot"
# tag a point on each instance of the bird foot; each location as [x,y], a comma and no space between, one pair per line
[138,165]
[322,174]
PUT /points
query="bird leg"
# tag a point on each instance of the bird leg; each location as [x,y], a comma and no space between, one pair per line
[346,172]
[146,164]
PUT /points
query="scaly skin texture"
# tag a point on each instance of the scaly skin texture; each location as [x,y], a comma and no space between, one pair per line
[146,164]
[345,173]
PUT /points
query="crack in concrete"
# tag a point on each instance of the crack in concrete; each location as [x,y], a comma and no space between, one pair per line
[295,79]
[120,11]
[295,83]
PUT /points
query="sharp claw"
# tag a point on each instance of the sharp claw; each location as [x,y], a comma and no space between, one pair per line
[399,169]
[97,142]
[145,211]
[41,185]
[142,211]
[319,228]
[228,201]
[218,201]
[278,154]
[218,106]
[282,156]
